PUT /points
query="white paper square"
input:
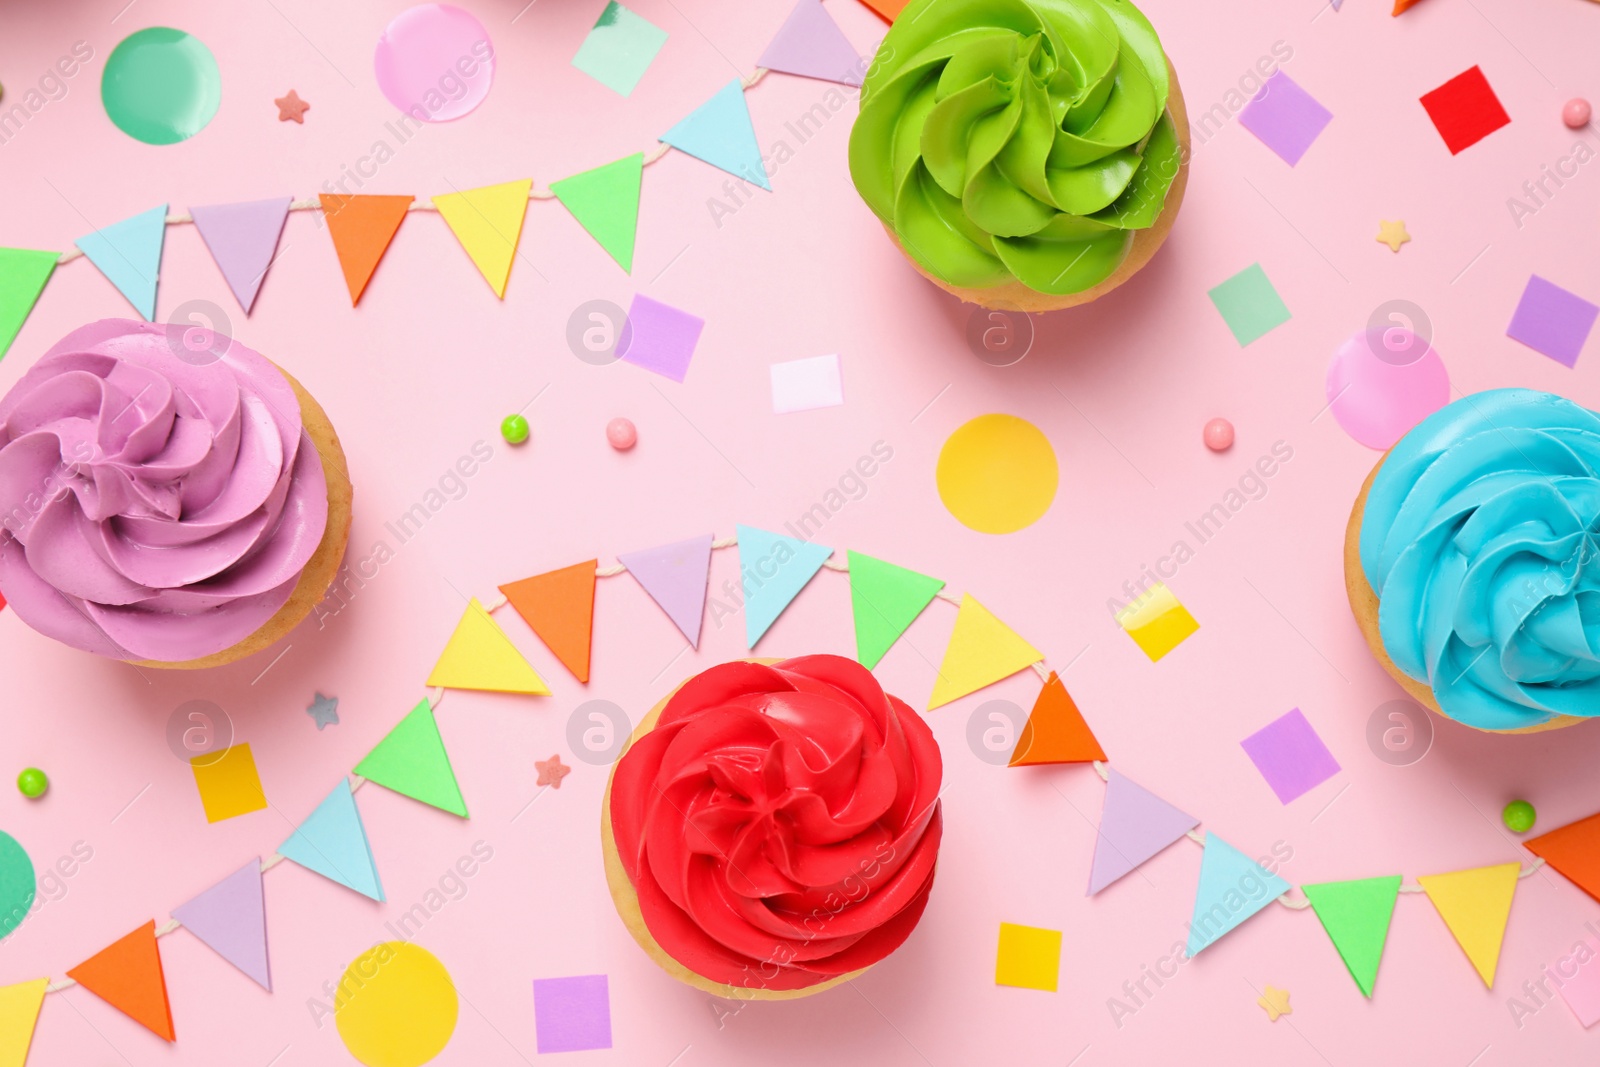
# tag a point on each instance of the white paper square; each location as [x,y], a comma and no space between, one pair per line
[805,384]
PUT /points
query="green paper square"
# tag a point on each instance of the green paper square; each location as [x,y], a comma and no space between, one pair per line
[620,48]
[1249,304]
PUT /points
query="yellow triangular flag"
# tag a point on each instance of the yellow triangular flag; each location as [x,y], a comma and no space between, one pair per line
[19,1011]
[488,223]
[481,656]
[1475,905]
[982,651]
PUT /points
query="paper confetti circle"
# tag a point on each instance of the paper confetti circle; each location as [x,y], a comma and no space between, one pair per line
[161,85]
[1375,398]
[435,62]
[997,474]
[396,1006]
[17,884]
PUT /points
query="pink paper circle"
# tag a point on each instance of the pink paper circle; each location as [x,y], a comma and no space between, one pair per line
[1377,401]
[435,62]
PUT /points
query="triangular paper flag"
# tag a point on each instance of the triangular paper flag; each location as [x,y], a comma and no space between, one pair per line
[230,918]
[1232,888]
[488,223]
[982,650]
[675,577]
[23,273]
[719,132]
[1475,905]
[889,9]
[481,656]
[605,201]
[812,45]
[361,228]
[19,1012]
[774,569]
[1573,850]
[1135,824]
[333,842]
[242,239]
[885,600]
[559,607]
[1401,5]
[1056,732]
[1356,916]
[411,759]
[128,253]
[127,975]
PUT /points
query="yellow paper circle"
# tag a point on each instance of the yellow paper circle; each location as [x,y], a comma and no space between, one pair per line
[997,474]
[396,1006]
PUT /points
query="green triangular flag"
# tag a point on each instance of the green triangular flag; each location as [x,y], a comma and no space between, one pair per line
[605,201]
[885,599]
[1356,915]
[412,760]
[23,272]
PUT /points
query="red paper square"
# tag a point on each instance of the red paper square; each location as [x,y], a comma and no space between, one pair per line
[1465,110]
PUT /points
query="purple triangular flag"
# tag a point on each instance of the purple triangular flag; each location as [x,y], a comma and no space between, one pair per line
[675,577]
[230,918]
[1135,824]
[243,239]
[812,45]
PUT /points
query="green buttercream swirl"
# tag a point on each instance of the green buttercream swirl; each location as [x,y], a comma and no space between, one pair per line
[1017,139]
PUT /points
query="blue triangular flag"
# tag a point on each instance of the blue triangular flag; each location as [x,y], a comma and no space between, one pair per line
[1233,887]
[128,253]
[773,570]
[333,843]
[720,133]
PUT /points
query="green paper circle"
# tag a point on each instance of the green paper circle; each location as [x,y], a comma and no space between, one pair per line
[161,86]
[17,884]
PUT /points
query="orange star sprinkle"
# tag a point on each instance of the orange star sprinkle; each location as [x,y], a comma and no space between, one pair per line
[551,771]
[292,108]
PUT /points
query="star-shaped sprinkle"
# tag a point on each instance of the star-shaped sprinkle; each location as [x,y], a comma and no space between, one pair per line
[1393,233]
[1275,1002]
[551,771]
[324,711]
[291,108]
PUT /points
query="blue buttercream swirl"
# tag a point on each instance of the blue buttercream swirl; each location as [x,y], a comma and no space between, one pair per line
[1481,537]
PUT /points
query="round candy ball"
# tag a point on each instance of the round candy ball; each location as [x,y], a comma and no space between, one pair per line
[1219,435]
[621,434]
[514,428]
[32,783]
[1576,113]
[1519,816]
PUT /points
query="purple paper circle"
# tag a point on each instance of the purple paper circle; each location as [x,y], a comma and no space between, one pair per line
[1376,401]
[435,62]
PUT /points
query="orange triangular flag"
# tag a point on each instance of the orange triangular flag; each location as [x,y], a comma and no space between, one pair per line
[362,227]
[1401,5]
[1056,732]
[127,975]
[1574,850]
[559,606]
[890,9]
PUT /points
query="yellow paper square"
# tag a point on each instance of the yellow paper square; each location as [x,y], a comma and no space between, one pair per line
[228,783]
[1029,957]
[1157,622]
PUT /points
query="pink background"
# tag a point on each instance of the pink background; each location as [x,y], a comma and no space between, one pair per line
[430,362]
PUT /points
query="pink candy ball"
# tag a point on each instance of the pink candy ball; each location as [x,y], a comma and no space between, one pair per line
[1219,435]
[621,434]
[1576,113]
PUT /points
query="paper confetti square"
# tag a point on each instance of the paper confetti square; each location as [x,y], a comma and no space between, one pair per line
[1290,756]
[1552,321]
[619,49]
[1582,990]
[1249,304]
[228,782]
[572,1014]
[1157,622]
[659,338]
[1029,957]
[1465,110]
[1285,117]
[806,384]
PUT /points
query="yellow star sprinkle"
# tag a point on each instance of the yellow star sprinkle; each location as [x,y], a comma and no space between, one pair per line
[1275,1002]
[1393,233]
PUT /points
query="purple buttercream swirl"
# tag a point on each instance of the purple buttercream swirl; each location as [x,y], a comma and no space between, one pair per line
[154,507]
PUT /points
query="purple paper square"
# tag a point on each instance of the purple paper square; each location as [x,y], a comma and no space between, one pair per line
[1552,321]
[659,338]
[1284,117]
[1290,756]
[572,1014]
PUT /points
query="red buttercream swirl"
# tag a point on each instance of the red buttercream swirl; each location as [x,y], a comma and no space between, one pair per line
[780,823]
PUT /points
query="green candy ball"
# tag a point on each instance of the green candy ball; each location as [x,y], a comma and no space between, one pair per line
[1519,816]
[33,783]
[514,428]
